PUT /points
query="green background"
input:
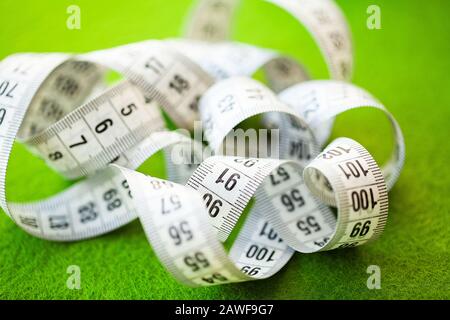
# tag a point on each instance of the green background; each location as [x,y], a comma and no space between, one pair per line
[405,65]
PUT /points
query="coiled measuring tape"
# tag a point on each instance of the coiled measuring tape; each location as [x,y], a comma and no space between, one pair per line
[61,108]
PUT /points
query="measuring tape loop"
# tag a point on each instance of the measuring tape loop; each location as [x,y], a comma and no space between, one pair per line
[162,73]
[227,59]
[321,100]
[190,248]
[22,74]
[102,202]
[266,205]
[82,143]
[211,20]
[231,101]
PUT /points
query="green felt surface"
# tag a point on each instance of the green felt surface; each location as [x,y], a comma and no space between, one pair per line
[405,65]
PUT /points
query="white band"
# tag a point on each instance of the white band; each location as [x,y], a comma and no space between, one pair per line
[62,109]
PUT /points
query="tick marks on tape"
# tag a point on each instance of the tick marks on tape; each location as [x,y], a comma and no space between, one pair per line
[62,109]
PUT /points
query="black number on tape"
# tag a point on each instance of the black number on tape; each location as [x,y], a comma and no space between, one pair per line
[250,271]
[215,277]
[29,221]
[112,202]
[194,104]
[260,253]
[351,169]
[81,66]
[363,200]
[87,212]
[322,243]
[170,204]
[197,261]
[269,232]
[179,84]
[337,39]
[55,155]
[300,149]
[292,199]
[360,229]
[213,206]
[348,245]
[158,184]
[180,234]
[322,16]
[232,179]
[282,173]
[66,85]
[127,187]
[338,151]
[248,163]
[155,65]
[2,115]
[308,225]
[103,126]
[58,222]
[226,103]
[51,109]
[6,89]
[126,111]
[83,141]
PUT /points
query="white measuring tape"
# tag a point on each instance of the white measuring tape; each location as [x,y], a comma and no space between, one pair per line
[62,109]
